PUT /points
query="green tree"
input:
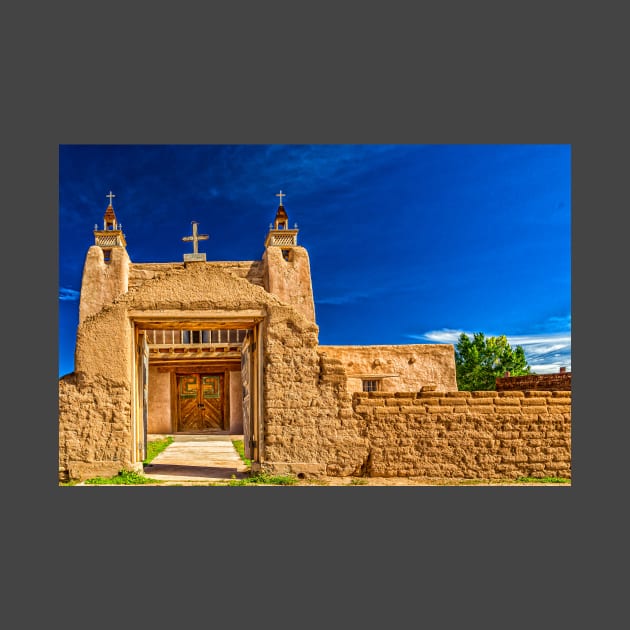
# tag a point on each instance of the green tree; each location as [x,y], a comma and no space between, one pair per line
[480,360]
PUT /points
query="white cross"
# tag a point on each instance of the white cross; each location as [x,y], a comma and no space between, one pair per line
[280,194]
[111,196]
[195,237]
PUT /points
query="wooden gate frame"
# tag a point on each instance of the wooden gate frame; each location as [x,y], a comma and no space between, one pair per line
[252,319]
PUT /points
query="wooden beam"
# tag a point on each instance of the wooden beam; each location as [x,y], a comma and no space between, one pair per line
[197,367]
[193,320]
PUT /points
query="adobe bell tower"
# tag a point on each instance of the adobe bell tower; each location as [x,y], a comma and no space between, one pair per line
[279,233]
[106,268]
[111,235]
[287,271]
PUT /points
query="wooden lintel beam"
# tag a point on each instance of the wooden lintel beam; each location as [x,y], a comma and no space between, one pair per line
[197,319]
[233,366]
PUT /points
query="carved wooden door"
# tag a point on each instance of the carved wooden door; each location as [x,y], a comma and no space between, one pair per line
[201,402]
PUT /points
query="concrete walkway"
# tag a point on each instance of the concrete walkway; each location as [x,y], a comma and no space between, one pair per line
[197,457]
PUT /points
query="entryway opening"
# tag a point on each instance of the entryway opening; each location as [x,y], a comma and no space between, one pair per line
[199,377]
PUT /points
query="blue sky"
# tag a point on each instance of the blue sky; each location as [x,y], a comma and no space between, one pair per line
[407,243]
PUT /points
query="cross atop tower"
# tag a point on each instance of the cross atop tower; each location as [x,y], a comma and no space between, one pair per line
[111,235]
[195,238]
[280,194]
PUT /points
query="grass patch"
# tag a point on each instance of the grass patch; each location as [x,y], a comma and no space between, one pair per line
[465,482]
[358,481]
[262,478]
[543,480]
[123,478]
[239,445]
[316,482]
[155,447]
[500,482]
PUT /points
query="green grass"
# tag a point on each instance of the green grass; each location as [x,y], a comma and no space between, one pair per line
[262,478]
[314,481]
[240,449]
[543,480]
[155,447]
[123,478]
[486,482]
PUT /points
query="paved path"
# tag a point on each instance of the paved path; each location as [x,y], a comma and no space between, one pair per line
[209,457]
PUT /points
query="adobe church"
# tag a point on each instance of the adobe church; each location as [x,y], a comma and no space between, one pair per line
[232,347]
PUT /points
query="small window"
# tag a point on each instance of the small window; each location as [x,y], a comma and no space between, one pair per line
[107,255]
[371,385]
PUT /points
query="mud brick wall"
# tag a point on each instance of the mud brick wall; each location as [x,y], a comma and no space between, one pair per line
[309,426]
[139,273]
[94,436]
[538,382]
[482,435]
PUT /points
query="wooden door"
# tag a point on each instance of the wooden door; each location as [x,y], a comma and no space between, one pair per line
[201,399]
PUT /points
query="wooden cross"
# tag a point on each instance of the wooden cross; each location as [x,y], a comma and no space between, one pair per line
[195,237]
[111,196]
[280,194]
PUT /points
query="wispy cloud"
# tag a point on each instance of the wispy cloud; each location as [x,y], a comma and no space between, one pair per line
[344,298]
[368,293]
[68,295]
[298,169]
[545,352]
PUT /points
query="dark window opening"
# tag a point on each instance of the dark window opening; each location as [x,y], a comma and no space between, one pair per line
[371,385]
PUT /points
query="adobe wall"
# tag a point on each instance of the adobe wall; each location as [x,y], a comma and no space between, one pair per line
[94,432]
[95,401]
[102,282]
[139,273]
[309,425]
[538,382]
[251,270]
[482,435]
[159,416]
[404,368]
[290,280]
[104,361]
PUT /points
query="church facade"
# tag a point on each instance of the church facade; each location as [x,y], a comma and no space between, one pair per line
[231,347]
